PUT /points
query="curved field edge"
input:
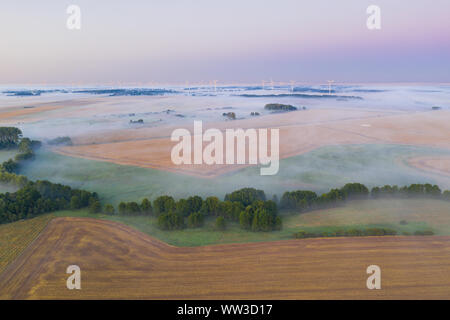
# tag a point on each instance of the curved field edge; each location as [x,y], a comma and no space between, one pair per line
[402,215]
[118,262]
[17,236]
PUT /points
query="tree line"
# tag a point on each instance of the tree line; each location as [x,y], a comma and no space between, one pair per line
[378,232]
[40,197]
[250,208]
[33,198]
[247,206]
[302,200]
[11,138]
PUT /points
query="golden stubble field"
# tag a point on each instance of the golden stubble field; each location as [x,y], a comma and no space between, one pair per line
[300,132]
[118,262]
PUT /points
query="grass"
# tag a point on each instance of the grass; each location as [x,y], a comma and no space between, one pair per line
[420,214]
[6,154]
[16,236]
[318,170]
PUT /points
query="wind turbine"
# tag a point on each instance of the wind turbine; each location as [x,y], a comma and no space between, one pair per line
[189,89]
[271,83]
[292,85]
[330,82]
[215,85]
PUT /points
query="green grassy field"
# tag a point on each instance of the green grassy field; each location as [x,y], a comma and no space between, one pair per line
[420,214]
[7,154]
[318,170]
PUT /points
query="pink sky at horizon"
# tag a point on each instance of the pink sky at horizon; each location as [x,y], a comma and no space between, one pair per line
[179,40]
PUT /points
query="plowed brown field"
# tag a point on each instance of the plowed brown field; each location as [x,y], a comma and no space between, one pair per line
[119,262]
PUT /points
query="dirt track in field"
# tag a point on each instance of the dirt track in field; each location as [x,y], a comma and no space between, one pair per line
[118,262]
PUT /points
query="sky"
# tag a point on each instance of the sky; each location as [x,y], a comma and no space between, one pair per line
[175,41]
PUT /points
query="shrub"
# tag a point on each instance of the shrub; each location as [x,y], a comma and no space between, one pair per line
[424,233]
[279,107]
[109,209]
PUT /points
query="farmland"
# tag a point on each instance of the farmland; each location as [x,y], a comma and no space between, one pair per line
[120,262]
[15,237]
[318,170]
[419,214]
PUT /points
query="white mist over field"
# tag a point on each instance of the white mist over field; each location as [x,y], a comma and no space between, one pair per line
[99,115]
[92,111]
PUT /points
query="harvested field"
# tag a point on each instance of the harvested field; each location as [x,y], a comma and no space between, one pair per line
[437,165]
[15,237]
[119,262]
[36,110]
[300,132]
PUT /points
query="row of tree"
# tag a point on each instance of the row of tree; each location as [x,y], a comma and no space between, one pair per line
[346,233]
[302,200]
[302,234]
[11,138]
[41,197]
[247,206]
[33,198]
